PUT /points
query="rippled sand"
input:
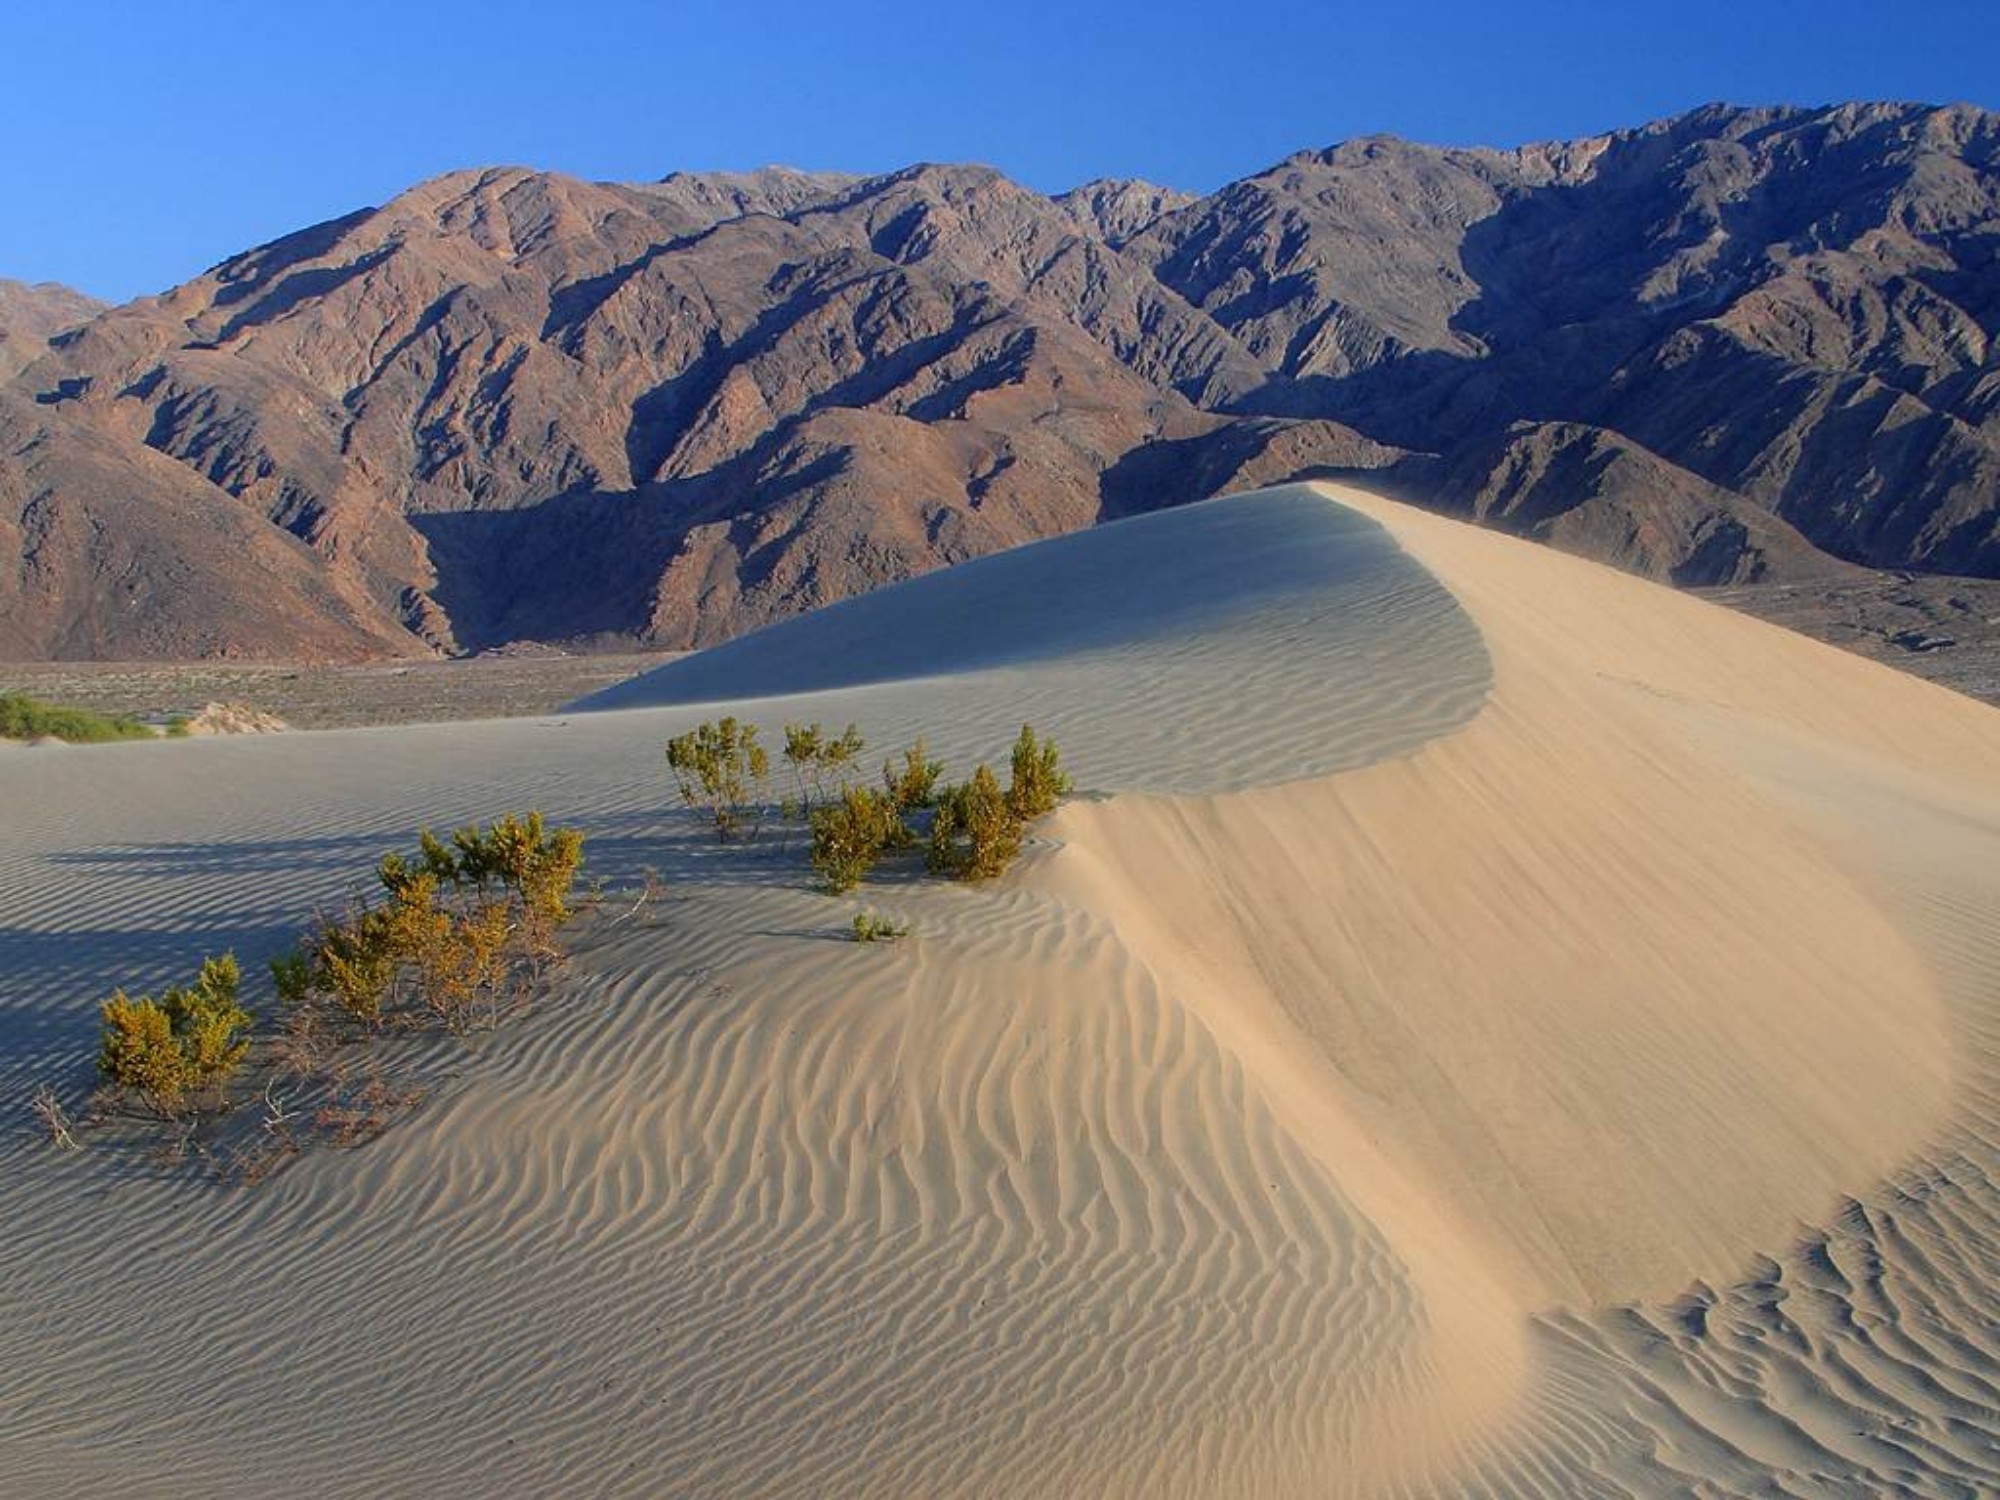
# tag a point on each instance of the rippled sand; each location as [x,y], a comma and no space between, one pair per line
[1488,1026]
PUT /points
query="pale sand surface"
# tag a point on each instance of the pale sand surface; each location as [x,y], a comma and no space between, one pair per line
[1462,960]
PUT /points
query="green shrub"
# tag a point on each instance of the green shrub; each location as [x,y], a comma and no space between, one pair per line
[25,718]
[466,860]
[869,928]
[292,975]
[913,784]
[1038,781]
[517,852]
[850,835]
[548,877]
[719,767]
[366,961]
[166,1049]
[818,759]
[139,1052]
[207,1018]
[354,962]
[538,864]
[450,955]
[975,833]
[442,937]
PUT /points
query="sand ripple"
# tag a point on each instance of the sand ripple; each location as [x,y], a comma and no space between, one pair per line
[1412,1081]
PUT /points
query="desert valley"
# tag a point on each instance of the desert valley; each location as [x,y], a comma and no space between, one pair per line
[1479,1013]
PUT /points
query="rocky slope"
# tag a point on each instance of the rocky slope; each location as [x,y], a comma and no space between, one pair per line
[1723,349]
[31,313]
[109,550]
[1796,306]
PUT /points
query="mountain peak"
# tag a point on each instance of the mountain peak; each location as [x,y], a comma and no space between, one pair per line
[516,404]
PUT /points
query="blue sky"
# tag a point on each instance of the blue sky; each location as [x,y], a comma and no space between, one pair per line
[148,140]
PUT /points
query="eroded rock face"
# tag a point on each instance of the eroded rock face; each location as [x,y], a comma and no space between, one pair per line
[1795,306]
[31,313]
[512,405]
[110,550]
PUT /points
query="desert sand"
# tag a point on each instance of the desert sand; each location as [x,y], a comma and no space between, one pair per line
[1487,1025]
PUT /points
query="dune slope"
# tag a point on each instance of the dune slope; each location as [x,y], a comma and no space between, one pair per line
[1417,1063]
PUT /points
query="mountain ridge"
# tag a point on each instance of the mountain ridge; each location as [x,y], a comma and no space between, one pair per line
[1738,345]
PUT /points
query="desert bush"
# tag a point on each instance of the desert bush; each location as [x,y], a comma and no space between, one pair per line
[455,918]
[869,928]
[163,1050]
[138,1052]
[850,835]
[208,1018]
[425,943]
[353,961]
[518,852]
[466,860]
[975,834]
[475,964]
[819,759]
[913,784]
[1038,782]
[538,864]
[25,718]
[719,767]
[549,873]
[455,925]
[292,975]
[366,961]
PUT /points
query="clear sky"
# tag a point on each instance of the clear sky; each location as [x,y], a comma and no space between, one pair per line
[148,139]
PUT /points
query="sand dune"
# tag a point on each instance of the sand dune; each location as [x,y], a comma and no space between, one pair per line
[1489,1026]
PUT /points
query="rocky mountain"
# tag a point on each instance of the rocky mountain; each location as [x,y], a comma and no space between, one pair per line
[1738,346]
[1116,209]
[119,552]
[1795,306]
[33,312]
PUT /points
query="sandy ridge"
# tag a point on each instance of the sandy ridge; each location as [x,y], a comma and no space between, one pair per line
[1478,940]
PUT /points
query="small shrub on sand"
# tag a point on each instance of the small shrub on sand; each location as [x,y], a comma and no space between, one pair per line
[457,925]
[138,1052]
[455,918]
[913,784]
[539,865]
[352,961]
[448,957]
[869,928]
[819,760]
[850,835]
[720,767]
[1038,782]
[975,834]
[208,1020]
[472,963]
[25,718]
[163,1050]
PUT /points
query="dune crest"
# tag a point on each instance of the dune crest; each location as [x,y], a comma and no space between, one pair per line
[1459,956]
